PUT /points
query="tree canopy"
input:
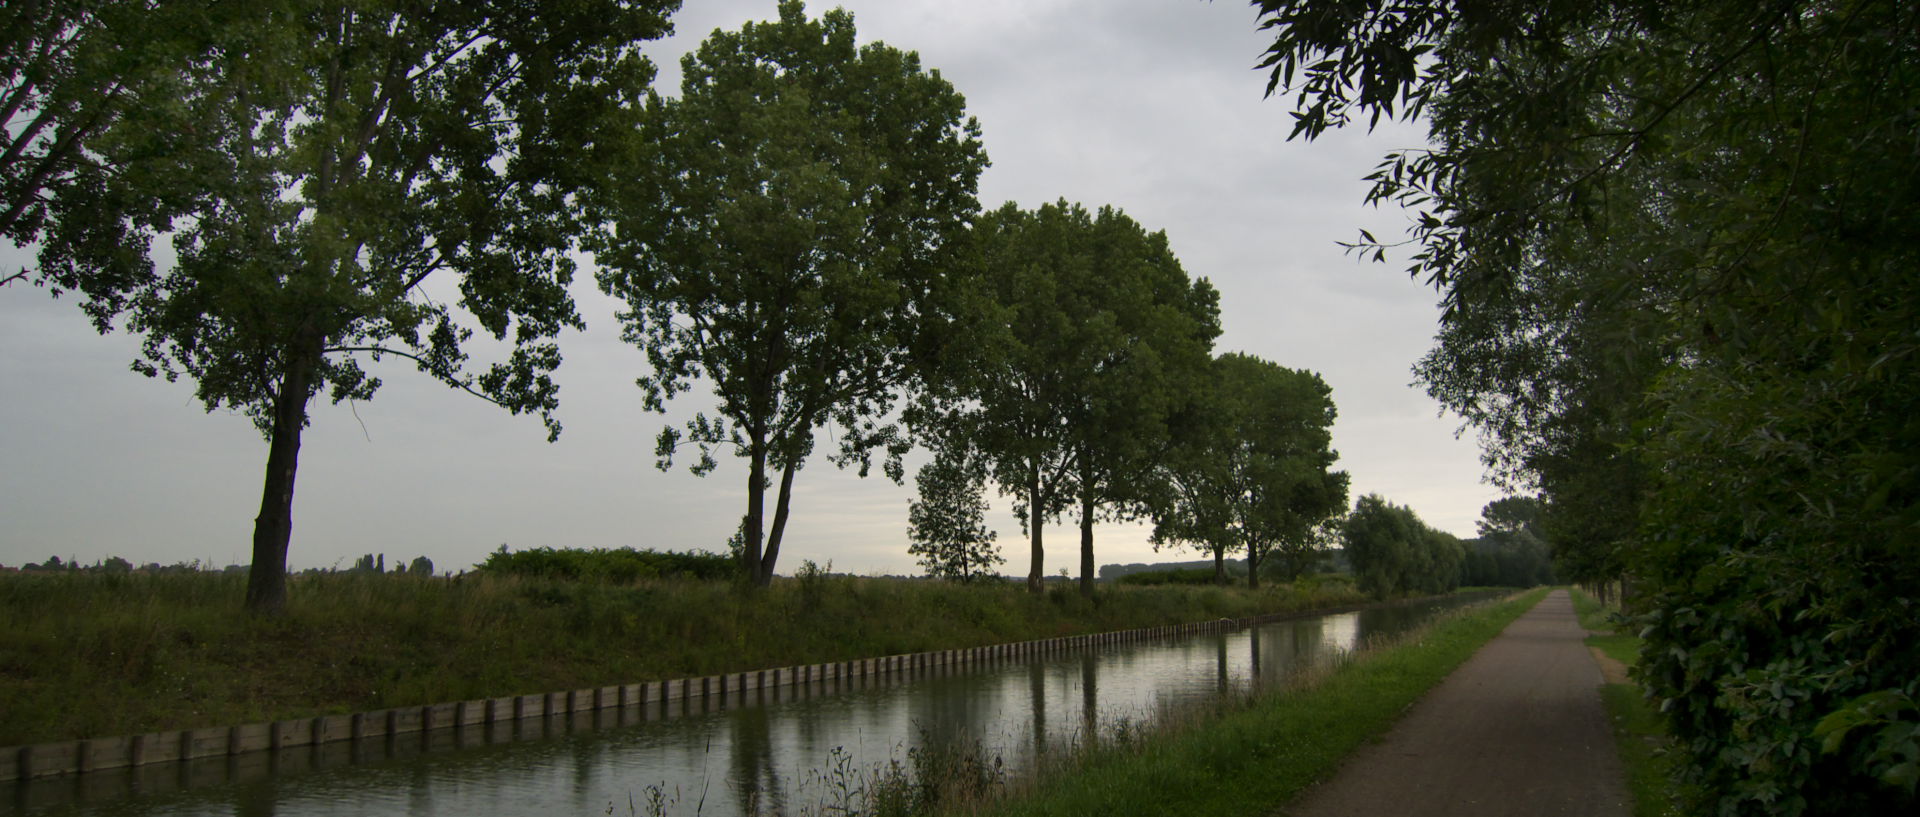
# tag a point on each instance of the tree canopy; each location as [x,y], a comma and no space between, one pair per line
[1249,469]
[1393,552]
[1512,549]
[1079,336]
[947,525]
[794,205]
[344,159]
[73,68]
[1675,243]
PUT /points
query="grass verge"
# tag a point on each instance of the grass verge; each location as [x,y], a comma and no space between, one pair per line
[1638,730]
[96,655]
[1252,755]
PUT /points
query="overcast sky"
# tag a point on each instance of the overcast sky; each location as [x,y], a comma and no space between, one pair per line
[1152,106]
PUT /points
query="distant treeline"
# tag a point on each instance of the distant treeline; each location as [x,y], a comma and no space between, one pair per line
[1236,567]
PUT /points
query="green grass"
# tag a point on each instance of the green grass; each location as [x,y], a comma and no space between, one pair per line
[95,655]
[1638,730]
[1253,755]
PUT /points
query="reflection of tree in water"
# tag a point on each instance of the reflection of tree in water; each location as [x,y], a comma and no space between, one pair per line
[420,794]
[587,754]
[1089,694]
[945,712]
[1220,662]
[1283,648]
[755,780]
[1037,687]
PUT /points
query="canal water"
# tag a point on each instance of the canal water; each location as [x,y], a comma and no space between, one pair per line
[789,750]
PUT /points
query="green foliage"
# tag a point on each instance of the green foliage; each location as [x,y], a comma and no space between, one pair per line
[341,161]
[617,565]
[1188,576]
[1676,245]
[75,69]
[947,523]
[792,208]
[1063,358]
[1510,551]
[1394,553]
[1248,470]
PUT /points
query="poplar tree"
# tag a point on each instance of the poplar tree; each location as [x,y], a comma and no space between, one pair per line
[794,209]
[1082,335]
[1249,469]
[70,70]
[371,180]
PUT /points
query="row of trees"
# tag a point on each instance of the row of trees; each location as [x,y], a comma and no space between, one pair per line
[1676,244]
[341,183]
[1393,552]
[1512,549]
[1075,372]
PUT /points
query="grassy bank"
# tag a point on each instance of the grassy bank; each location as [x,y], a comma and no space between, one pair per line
[1637,727]
[97,655]
[1251,756]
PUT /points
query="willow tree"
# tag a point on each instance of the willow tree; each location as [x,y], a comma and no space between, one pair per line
[373,178]
[1676,244]
[777,242]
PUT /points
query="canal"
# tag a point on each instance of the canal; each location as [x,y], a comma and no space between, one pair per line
[783,750]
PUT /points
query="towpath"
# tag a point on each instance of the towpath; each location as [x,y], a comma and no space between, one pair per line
[1517,731]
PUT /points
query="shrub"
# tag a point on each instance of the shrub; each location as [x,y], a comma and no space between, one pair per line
[618,565]
[1185,576]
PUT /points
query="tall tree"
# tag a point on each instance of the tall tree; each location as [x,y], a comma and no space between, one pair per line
[1082,334]
[350,156]
[1250,469]
[1198,478]
[778,241]
[1675,242]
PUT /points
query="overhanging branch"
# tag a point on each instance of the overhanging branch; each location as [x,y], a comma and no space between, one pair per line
[438,371]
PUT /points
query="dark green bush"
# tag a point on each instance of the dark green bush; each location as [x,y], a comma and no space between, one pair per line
[617,565]
[1187,576]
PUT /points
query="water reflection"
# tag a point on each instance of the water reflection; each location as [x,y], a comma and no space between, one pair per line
[763,751]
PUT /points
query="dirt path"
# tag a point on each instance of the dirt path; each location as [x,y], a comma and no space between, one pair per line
[1518,730]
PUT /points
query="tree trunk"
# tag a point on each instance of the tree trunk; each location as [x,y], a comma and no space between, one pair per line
[1086,542]
[780,505]
[1253,568]
[273,527]
[754,523]
[1034,516]
[1220,565]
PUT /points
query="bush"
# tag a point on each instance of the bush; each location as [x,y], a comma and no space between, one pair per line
[619,565]
[1187,576]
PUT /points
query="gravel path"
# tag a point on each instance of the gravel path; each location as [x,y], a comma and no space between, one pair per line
[1518,730]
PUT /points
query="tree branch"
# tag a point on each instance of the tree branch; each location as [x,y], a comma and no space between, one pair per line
[430,367]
